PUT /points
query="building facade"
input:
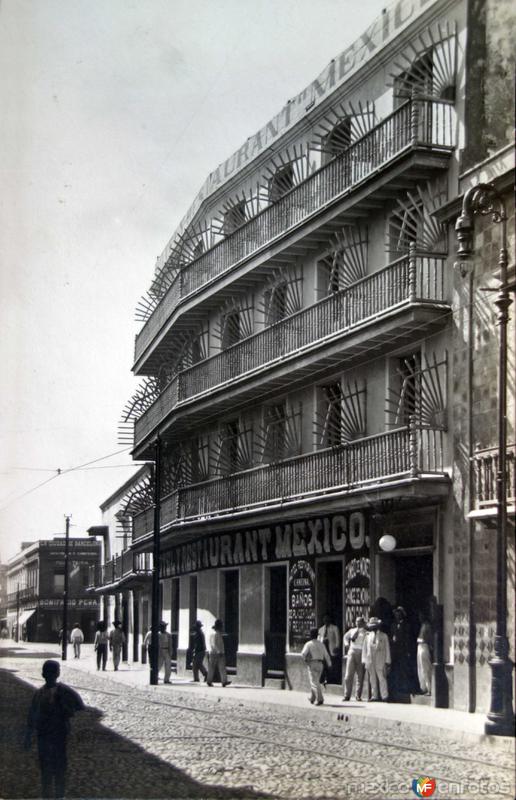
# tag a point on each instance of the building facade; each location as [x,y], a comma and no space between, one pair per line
[3,597]
[35,586]
[122,582]
[313,372]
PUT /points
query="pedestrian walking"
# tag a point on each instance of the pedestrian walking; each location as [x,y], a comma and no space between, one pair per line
[198,652]
[424,655]
[164,649]
[315,656]
[217,655]
[49,717]
[376,657]
[116,642]
[100,644]
[354,642]
[329,635]
[76,638]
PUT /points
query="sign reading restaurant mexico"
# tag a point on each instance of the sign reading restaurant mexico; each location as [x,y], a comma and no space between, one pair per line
[329,535]
[385,28]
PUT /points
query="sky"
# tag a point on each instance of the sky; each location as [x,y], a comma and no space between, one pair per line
[113,113]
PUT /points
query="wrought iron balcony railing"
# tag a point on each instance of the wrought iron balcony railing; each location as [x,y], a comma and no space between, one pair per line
[382,458]
[485,468]
[120,567]
[407,280]
[27,593]
[418,123]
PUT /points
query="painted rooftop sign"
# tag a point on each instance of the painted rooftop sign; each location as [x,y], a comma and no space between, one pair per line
[383,30]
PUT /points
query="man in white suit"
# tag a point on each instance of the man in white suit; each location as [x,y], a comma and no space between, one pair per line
[376,657]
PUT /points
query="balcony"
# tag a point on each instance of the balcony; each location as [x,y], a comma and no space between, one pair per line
[25,594]
[123,571]
[401,456]
[485,468]
[418,125]
[408,283]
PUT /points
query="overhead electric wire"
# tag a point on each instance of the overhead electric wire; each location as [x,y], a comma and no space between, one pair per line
[58,473]
[450,312]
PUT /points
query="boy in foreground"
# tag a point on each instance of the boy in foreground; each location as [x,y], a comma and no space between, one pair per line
[49,717]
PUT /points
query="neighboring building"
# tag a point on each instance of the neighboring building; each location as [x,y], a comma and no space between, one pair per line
[3,596]
[35,585]
[310,372]
[122,582]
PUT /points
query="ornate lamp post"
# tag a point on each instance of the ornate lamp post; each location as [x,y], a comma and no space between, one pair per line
[485,200]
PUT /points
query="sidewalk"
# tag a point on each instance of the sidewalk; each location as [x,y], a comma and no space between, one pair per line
[441,722]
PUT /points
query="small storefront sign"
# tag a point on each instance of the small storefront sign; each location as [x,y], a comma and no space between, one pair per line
[301,601]
[357,576]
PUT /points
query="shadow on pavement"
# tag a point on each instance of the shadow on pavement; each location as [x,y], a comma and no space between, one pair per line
[101,763]
[20,652]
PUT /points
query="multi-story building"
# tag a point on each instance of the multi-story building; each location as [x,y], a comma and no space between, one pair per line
[305,353]
[35,586]
[122,581]
[3,597]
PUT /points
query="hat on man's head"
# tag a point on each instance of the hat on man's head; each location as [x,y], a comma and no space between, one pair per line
[374,622]
[163,624]
[198,623]
[217,625]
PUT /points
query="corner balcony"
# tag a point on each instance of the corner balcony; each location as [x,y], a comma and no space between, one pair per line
[406,461]
[417,137]
[485,470]
[126,571]
[372,313]
[23,595]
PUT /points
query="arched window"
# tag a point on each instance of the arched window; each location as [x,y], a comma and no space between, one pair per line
[234,217]
[281,182]
[338,140]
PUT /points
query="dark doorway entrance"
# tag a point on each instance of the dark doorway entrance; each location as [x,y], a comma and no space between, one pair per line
[192,616]
[276,624]
[330,602]
[414,589]
[231,616]
[174,619]
[136,627]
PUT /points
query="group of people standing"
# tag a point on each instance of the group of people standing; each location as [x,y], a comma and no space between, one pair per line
[198,650]
[114,640]
[380,653]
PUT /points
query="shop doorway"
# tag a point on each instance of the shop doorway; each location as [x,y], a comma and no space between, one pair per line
[174,620]
[414,589]
[276,622]
[192,616]
[231,615]
[136,627]
[329,599]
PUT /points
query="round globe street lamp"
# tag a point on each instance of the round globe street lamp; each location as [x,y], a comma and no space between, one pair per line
[485,200]
[387,543]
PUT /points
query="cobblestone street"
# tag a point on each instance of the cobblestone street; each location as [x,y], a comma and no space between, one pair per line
[173,741]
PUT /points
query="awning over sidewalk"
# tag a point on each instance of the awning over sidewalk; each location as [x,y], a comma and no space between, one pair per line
[25,615]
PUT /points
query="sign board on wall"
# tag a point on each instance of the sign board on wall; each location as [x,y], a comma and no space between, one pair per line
[336,534]
[301,601]
[357,591]
[73,602]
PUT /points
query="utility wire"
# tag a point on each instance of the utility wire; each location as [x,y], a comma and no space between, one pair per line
[450,313]
[58,472]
